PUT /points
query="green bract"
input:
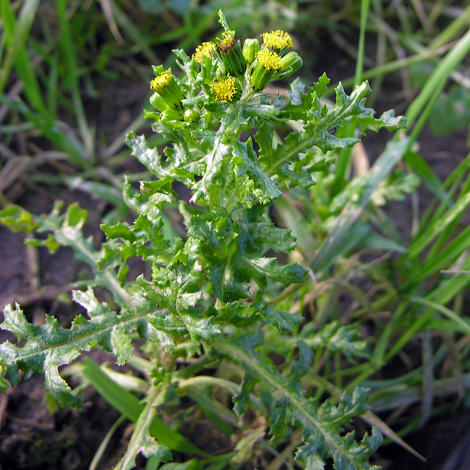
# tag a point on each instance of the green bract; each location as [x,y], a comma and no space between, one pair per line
[211,284]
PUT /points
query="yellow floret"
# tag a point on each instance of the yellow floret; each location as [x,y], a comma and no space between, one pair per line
[161,81]
[269,60]
[227,38]
[224,90]
[277,40]
[205,49]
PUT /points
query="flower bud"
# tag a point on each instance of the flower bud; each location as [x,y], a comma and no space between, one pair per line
[291,60]
[165,85]
[250,49]
[158,102]
[231,54]
[268,62]
[190,115]
[171,117]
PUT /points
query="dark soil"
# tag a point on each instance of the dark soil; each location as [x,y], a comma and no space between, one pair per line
[34,435]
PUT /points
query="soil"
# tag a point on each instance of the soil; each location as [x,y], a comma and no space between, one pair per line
[34,435]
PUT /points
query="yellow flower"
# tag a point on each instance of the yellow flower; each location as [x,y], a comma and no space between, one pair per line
[227,39]
[224,90]
[205,49]
[170,92]
[269,60]
[277,40]
[231,54]
[267,63]
[162,81]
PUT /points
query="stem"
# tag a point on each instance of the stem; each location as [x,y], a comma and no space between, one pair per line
[142,426]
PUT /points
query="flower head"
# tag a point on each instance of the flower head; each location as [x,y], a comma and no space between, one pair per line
[227,41]
[269,60]
[277,40]
[165,85]
[231,54]
[224,90]
[161,81]
[205,49]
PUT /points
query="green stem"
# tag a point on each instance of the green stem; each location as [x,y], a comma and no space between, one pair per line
[142,427]
[362,36]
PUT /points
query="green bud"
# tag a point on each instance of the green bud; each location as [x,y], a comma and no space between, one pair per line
[250,48]
[191,115]
[158,102]
[232,56]
[222,224]
[172,118]
[260,78]
[237,160]
[291,60]
[165,85]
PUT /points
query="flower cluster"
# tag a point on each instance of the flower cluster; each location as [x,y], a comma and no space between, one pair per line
[236,70]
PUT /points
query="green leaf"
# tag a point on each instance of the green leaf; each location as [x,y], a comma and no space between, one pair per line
[256,183]
[118,231]
[366,121]
[232,256]
[43,353]
[192,464]
[336,338]
[48,347]
[322,426]
[281,320]
[17,219]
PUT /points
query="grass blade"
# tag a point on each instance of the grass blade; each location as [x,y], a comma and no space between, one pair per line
[16,33]
[334,243]
[71,66]
[446,65]
[130,407]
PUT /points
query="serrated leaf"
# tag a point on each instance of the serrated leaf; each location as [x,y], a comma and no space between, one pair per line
[232,256]
[336,338]
[322,427]
[118,231]
[48,346]
[278,418]
[17,219]
[256,234]
[256,182]
[38,355]
[50,243]
[241,399]
[321,85]
[121,345]
[298,88]
[200,328]
[300,367]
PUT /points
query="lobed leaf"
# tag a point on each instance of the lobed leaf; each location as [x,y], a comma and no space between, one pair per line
[48,347]
[322,426]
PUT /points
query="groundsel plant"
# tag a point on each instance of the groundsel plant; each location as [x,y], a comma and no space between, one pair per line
[213,287]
